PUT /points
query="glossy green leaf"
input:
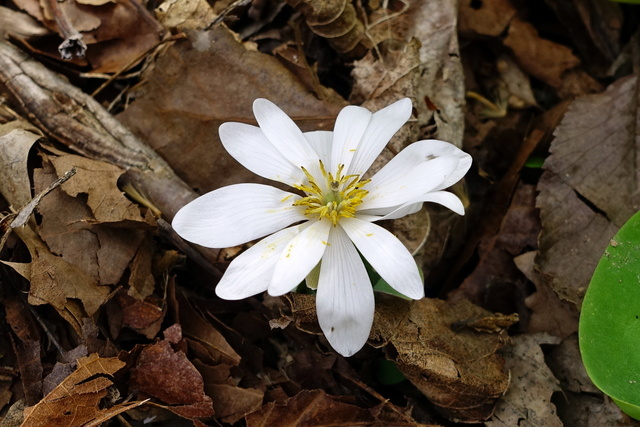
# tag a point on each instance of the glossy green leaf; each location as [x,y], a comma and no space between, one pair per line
[610,320]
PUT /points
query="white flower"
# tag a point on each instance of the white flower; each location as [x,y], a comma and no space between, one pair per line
[335,211]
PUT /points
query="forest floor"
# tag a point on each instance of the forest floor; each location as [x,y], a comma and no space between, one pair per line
[110,318]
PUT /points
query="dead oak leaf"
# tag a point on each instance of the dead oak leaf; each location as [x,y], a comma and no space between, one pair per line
[54,281]
[98,180]
[76,400]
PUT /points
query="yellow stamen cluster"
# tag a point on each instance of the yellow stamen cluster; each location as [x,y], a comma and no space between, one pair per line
[341,200]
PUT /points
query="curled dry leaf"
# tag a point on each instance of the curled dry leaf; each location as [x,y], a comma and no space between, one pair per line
[590,186]
[16,139]
[76,400]
[338,22]
[455,366]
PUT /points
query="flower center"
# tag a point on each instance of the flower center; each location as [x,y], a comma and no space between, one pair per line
[343,196]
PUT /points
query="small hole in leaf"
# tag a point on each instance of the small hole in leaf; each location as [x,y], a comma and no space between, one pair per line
[476,4]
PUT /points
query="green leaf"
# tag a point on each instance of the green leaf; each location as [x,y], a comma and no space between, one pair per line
[388,373]
[535,162]
[610,320]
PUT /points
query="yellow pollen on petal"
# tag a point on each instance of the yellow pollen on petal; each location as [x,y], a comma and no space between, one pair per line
[342,198]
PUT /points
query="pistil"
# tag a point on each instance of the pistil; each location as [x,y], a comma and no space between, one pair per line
[341,200]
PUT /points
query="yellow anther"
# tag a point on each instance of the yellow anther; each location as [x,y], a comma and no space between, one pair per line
[341,200]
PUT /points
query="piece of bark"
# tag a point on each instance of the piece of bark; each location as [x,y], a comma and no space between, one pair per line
[79,122]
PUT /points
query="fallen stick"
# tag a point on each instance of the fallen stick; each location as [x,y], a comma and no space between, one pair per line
[76,120]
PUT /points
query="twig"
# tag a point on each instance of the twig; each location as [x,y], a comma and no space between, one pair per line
[73,46]
[79,122]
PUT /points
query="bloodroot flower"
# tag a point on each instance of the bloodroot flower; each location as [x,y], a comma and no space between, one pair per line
[330,222]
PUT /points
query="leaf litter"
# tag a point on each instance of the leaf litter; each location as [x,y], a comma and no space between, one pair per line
[108,322]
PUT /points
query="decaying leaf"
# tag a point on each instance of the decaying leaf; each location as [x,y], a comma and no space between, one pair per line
[317,408]
[76,401]
[485,18]
[54,281]
[90,223]
[116,32]
[455,366]
[27,347]
[168,375]
[182,15]
[549,313]
[528,400]
[590,186]
[338,22]
[182,106]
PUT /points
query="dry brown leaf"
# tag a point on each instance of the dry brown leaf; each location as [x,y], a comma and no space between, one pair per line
[26,347]
[16,139]
[456,367]
[98,180]
[117,32]
[528,399]
[314,408]
[549,313]
[539,57]
[232,403]
[201,331]
[19,25]
[54,281]
[486,17]
[143,316]
[181,106]
[80,222]
[496,270]
[590,186]
[76,401]
[185,15]
[167,374]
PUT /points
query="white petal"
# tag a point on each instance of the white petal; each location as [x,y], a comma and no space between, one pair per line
[433,148]
[393,212]
[321,141]
[444,198]
[299,257]
[397,183]
[351,124]
[249,146]
[383,125]
[250,273]
[236,214]
[344,302]
[387,255]
[284,134]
